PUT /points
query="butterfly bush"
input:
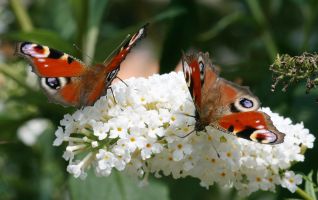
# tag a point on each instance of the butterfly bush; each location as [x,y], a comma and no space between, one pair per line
[141,132]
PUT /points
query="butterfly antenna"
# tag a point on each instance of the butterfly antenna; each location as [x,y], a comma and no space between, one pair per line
[111,89]
[118,47]
[187,134]
[79,50]
[186,115]
[217,153]
[122,81]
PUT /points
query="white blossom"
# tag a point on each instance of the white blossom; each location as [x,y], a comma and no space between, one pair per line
[29,132]
[290,180]
[142,132]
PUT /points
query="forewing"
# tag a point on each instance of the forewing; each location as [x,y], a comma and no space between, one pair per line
[96,82]
[59,73]
[48,62]
[115,61]
[192,75]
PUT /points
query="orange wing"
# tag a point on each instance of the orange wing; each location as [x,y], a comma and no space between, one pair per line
[48,62]
[225,105]
[68,81]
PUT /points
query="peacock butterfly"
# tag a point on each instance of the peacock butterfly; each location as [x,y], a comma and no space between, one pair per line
[225,105]
[67,80]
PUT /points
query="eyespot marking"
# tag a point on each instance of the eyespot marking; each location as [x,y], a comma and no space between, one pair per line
[34,50]
[53,84]
[187,71]
[202,69]
[263,136]
[246,103]
[111,76]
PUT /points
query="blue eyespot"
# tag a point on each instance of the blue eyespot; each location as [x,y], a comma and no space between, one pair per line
[246,103]
[53,83]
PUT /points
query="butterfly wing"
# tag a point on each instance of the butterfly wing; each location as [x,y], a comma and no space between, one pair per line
[194,77]
[252,125]
[103,76]
[228,106]
[48,62]
[68,81]
[198,75]
[59,73]
[114,63]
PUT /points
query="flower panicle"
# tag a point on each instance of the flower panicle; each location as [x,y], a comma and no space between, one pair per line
[289,69]
[141,134]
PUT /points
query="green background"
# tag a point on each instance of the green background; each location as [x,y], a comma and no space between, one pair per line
[242,36]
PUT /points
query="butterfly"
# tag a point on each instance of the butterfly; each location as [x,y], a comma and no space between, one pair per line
[68,81]
[225,105]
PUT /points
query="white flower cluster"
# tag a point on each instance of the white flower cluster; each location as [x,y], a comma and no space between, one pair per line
[29,132]
[142,131]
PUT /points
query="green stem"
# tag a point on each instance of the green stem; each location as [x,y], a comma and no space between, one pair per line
[303,194]
[89,44]
[270,44]
[21,15]
[261,21]
[121,186]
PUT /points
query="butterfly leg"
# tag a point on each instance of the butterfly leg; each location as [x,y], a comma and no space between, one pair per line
[79,50]
[122,81]
[186,115]
[111,89]
[217,153]
[187,134]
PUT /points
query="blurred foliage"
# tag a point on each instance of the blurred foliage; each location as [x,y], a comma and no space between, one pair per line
[242,36]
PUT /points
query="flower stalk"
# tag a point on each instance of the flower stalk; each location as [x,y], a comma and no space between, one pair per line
[303,194]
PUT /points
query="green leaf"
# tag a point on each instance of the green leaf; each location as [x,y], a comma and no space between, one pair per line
[95,13]
[309,186]
[117,186]
[168,14]
[220,26]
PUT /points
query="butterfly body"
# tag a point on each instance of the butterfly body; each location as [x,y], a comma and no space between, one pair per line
[67,80]
[225,105]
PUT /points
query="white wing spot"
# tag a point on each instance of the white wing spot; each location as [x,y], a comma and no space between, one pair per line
[28,49]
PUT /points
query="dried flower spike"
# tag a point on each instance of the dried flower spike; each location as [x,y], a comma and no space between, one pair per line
[288,69]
